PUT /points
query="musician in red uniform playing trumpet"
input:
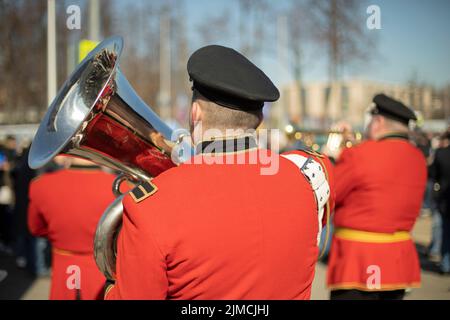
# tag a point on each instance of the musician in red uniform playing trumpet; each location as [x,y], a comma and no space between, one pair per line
[219,226]
[65,206]
[380,186]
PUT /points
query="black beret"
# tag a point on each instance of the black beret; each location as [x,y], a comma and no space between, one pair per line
[226,77]
[392,109]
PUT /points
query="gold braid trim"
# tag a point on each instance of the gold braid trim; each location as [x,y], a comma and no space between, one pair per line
[327,210]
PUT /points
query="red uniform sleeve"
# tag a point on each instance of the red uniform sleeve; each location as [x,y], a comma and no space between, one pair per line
[346,173]
[140,266]
[36,221]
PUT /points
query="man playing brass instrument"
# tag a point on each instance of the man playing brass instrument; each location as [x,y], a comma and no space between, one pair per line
[216,228]
[379,191]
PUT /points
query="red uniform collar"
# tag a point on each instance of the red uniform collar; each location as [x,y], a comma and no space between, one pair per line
[226,145]
[402,136]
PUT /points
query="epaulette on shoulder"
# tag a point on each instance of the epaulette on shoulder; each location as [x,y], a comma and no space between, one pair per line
[143,191]
[312,153]
[36,178]
[39,176]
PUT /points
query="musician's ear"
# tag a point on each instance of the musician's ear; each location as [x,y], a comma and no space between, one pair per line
[196,112]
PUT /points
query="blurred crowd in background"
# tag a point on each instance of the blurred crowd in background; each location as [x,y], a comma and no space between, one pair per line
[15,239]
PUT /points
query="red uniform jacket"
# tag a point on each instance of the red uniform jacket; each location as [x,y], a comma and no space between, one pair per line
[379,191]
[220,231]
[65,207]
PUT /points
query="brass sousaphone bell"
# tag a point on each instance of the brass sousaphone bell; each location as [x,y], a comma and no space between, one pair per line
[99,117]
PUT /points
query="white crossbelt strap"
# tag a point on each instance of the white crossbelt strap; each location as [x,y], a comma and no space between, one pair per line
[316,177]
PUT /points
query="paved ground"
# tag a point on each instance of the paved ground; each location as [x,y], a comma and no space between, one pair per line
[19,285]
[434,286]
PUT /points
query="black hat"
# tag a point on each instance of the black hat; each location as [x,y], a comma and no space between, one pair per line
[392,109]
[224,76]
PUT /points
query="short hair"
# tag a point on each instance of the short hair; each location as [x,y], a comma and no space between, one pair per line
[394,125]
[219,117]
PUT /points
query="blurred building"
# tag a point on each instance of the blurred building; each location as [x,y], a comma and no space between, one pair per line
[317,105]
